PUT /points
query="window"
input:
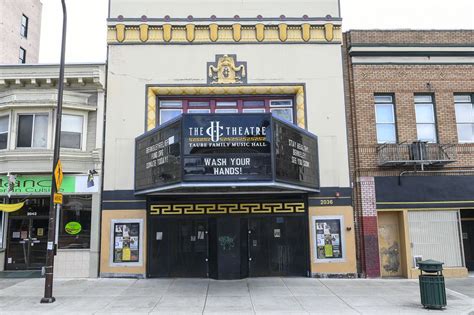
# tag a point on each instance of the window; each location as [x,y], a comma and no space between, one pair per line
[282,109]
[425,118]
[32,131]
[4,122]
[464,117]
[75,222]
[24,26]
[385,119]
[170,110]
[280,106]
[71,131]
[22,58]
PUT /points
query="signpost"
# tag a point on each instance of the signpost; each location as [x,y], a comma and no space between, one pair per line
[57,176]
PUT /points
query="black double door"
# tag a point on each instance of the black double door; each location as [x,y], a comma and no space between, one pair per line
[26,243]
[228,247]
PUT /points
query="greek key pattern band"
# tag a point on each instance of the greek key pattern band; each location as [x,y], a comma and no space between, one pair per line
[227,208]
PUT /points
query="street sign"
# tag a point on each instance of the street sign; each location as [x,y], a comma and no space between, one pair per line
[58,199]
[58,175]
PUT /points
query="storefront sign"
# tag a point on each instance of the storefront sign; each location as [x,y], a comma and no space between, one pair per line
[73,228]
[226,148]
[41,185]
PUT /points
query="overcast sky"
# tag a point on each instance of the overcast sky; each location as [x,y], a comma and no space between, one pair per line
[86,34]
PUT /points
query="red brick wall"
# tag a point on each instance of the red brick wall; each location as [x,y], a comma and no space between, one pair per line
[362,81]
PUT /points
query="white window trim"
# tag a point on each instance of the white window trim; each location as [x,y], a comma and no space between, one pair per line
[315,242]
[226,110]
[49,131]
[286,107]
[381,123]
[463,123]
[168,109]
[171,106]
[434,123]
[8,129]
[254,110]
[85,119]
[112,243]
[199,110]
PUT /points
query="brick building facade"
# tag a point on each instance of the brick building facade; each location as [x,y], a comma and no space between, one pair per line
[409,97]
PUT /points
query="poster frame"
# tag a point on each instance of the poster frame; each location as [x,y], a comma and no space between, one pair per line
[113,222]
[315,243]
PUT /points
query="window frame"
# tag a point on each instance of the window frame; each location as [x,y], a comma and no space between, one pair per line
[24,27]
[471,96]
[8,130]
[83,141]
[209,102]
[17,126]
[394,112]
[141,245]
[62,222]
[22,59]
[435,119]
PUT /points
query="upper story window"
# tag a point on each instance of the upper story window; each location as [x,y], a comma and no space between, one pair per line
[4,125]
[425,118]
[385,119]
[32,131]
[280,107]
[22,56]
[24,26]
[71,131]
[464,117]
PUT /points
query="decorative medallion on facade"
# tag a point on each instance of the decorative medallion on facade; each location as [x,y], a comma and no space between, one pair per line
[226,70]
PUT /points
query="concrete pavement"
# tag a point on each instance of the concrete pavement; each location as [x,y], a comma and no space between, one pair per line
[248,296]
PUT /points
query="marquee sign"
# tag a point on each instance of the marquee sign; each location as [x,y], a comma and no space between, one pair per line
[214,149]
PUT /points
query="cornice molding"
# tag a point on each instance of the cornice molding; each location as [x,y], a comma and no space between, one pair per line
[191,33]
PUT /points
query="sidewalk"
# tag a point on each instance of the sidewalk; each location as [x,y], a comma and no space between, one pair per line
[248,296]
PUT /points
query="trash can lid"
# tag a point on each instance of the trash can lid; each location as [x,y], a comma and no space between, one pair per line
[430,265]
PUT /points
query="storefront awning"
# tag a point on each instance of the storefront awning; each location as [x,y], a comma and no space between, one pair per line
[11,207]
[226,153]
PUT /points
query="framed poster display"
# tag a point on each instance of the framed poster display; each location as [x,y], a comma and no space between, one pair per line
[126,242]
[329,241]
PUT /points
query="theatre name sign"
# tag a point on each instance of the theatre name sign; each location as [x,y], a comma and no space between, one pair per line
[197,151]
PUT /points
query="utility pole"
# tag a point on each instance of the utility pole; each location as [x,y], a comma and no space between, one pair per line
[55,183]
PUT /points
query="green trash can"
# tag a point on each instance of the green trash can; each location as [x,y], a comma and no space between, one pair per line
[432,286]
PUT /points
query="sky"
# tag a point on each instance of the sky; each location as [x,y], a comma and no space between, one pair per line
[86,35]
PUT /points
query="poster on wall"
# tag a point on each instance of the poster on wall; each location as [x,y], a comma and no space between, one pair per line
[328,242]
[126,242]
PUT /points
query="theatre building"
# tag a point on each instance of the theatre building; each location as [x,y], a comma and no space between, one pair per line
[411,130]
[28,100]
[226,148]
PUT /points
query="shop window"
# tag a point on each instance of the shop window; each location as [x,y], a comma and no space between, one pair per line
[254,110]
[198,104]
[329,244]
[226,104]
[22,57]
[126,241]
[4,124]
[32,131]
[436,235]
[464,117]
[425,118]
[199,110]
[71,131]
[24,26]
[385,119]
[75,222]
[282,109]
[169,110]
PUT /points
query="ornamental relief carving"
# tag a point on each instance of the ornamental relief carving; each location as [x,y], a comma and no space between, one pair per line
[226,70]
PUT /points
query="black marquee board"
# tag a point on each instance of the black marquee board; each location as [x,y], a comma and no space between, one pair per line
[211,148]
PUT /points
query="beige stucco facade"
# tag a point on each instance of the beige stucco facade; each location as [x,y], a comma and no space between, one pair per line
[163,49]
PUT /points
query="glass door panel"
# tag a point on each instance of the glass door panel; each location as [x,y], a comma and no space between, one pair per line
[38,243]
[17,244]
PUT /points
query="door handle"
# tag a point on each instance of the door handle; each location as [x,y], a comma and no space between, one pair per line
[250,258]
[206,260]
[36,242]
